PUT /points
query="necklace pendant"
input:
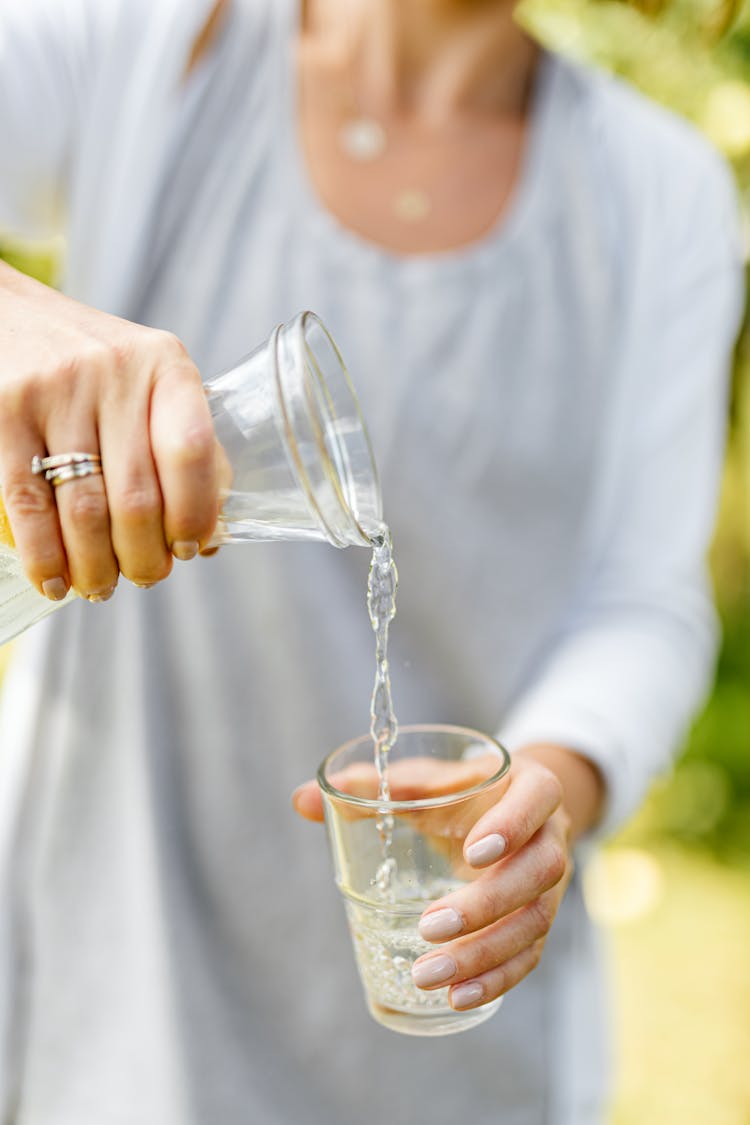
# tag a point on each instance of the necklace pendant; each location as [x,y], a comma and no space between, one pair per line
[362,139]
[412,205]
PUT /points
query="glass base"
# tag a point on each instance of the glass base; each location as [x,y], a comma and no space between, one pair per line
[440,1022]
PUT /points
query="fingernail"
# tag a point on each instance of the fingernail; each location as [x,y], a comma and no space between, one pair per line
[185,549]
[433,970]
[55,589]
[486,850]
[464,995]
[101,595]
[441,924]
[144,585]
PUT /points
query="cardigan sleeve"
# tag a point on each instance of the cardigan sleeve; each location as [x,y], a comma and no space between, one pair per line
[635,656]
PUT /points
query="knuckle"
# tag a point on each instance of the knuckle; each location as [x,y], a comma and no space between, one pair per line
[490,905]
[556,863]
[553,790]
[17,393]
[541,916]
[550,862]
[90,359]
[501,981]
[122,353]
[522,828]
[27,391]
[88,508]
[138,504]
[535,954]
[169,344]
[195,447]
[25,498]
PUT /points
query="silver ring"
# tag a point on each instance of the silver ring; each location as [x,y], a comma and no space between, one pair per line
[72,471]
[41,465]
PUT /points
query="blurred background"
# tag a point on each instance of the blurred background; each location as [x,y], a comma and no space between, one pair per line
[673,890]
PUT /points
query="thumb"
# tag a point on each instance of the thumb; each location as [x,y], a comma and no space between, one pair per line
[307,801]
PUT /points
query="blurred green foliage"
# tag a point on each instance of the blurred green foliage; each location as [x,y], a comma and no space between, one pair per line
[41,262]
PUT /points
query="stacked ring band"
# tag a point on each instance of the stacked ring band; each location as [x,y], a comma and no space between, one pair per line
[62,467]
[72,472]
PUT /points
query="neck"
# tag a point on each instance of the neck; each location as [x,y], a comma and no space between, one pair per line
[431,58]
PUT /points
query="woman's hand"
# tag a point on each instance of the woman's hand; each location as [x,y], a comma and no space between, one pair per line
[492,930]
[76,379]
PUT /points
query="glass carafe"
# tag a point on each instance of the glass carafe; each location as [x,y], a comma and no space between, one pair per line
[302,465]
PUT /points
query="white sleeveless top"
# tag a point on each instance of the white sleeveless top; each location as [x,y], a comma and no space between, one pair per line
[172,949]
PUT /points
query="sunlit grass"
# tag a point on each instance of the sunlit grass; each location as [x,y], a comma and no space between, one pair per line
[681,969]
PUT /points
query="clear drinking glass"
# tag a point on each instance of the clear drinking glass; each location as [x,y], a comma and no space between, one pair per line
[393,858]
[302,465]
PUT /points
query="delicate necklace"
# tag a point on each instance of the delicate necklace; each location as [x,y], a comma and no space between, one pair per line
[363,139]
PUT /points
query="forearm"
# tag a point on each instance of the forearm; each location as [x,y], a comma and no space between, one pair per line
[582,784]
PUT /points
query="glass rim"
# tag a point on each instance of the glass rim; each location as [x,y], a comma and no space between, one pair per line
[299,326]
[421,802]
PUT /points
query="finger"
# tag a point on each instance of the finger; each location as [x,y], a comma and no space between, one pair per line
[491,947]
[501,889]
[224,477]
[82,509]
[133,492]
[308,802]
[185,454]
[361,779]
[531,797]
[30,503]
[84,518]
[413,779]
[409,779]
[357,780]
[496,982]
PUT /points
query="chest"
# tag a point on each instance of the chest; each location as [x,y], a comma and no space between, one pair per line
[416,189]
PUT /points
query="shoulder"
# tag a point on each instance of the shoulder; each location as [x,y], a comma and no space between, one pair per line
[635,132]
[91,26]
[656,170]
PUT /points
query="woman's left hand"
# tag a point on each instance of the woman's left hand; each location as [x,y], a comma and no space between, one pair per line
[491,931]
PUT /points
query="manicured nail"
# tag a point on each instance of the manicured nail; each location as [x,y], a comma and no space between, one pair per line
[101,595]
[433,971]
[465,995]
[486,850]
[441,924]
[185,549]
[55,589]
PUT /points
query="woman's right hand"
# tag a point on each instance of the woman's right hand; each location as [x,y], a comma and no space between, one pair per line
[76,379]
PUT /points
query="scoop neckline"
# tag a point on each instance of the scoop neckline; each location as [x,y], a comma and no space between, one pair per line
[514,218]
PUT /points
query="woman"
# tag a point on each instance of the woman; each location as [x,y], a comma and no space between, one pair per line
[535,278]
